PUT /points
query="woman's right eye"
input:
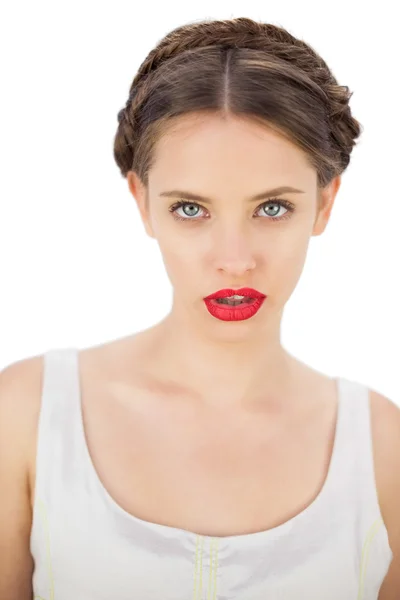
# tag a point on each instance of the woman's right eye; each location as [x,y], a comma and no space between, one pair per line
[190,209]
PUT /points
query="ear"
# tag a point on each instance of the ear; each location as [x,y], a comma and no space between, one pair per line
[326,199]
[140,193]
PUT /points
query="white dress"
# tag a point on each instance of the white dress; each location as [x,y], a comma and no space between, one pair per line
[86,547]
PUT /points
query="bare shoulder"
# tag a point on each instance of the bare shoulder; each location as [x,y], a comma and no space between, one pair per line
[20,389]
[385,422]
[20,399]
[20,385]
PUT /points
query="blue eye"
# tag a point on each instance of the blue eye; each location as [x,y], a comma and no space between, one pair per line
[193,206]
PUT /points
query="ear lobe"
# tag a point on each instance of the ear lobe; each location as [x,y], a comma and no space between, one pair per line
[326,200]
[139,192]
[148,228]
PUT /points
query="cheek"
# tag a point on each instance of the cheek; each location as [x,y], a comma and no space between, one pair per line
[180,259]
[286,245]
[287,269]
[294,252]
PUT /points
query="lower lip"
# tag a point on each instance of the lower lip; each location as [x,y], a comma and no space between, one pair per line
[241,312]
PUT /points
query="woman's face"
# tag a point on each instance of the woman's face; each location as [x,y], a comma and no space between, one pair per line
[227,239]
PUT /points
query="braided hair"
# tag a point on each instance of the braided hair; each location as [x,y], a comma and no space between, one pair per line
[242,67]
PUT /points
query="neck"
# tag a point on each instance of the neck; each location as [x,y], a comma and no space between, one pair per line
[223,367]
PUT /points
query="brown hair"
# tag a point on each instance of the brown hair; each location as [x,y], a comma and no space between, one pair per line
[252,70]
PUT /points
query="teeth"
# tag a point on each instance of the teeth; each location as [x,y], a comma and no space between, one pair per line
[233,301]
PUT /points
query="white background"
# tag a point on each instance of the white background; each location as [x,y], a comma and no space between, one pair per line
[74,256]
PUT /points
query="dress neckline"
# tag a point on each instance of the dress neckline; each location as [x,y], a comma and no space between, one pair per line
[246,538]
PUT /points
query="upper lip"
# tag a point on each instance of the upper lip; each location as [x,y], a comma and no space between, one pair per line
[246,292]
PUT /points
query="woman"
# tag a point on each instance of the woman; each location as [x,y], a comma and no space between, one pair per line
[198,458]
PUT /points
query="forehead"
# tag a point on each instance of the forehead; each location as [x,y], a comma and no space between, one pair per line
[233,147]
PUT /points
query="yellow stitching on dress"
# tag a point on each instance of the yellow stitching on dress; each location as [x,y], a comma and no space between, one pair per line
[211,568]
[46,529]
[364,557]
[201,566]
[199,553]
[195,568]
[215,571]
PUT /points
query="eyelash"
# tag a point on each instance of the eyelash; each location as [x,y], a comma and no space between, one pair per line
[285,203]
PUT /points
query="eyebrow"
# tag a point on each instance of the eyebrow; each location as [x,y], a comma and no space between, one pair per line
[285,189]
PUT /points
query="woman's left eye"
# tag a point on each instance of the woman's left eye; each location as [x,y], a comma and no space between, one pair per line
[275,204]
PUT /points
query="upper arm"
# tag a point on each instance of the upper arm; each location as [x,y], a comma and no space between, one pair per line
[18,384]
[386,441]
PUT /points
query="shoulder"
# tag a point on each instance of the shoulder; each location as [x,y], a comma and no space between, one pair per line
[385,424]
[20,399]
[20,388]
[20,381]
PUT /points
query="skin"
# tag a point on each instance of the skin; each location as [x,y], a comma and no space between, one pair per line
[229,243]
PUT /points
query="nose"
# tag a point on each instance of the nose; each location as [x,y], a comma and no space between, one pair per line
[233,254]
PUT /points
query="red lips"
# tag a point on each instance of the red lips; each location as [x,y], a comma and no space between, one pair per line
[247,308]
[246,292]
